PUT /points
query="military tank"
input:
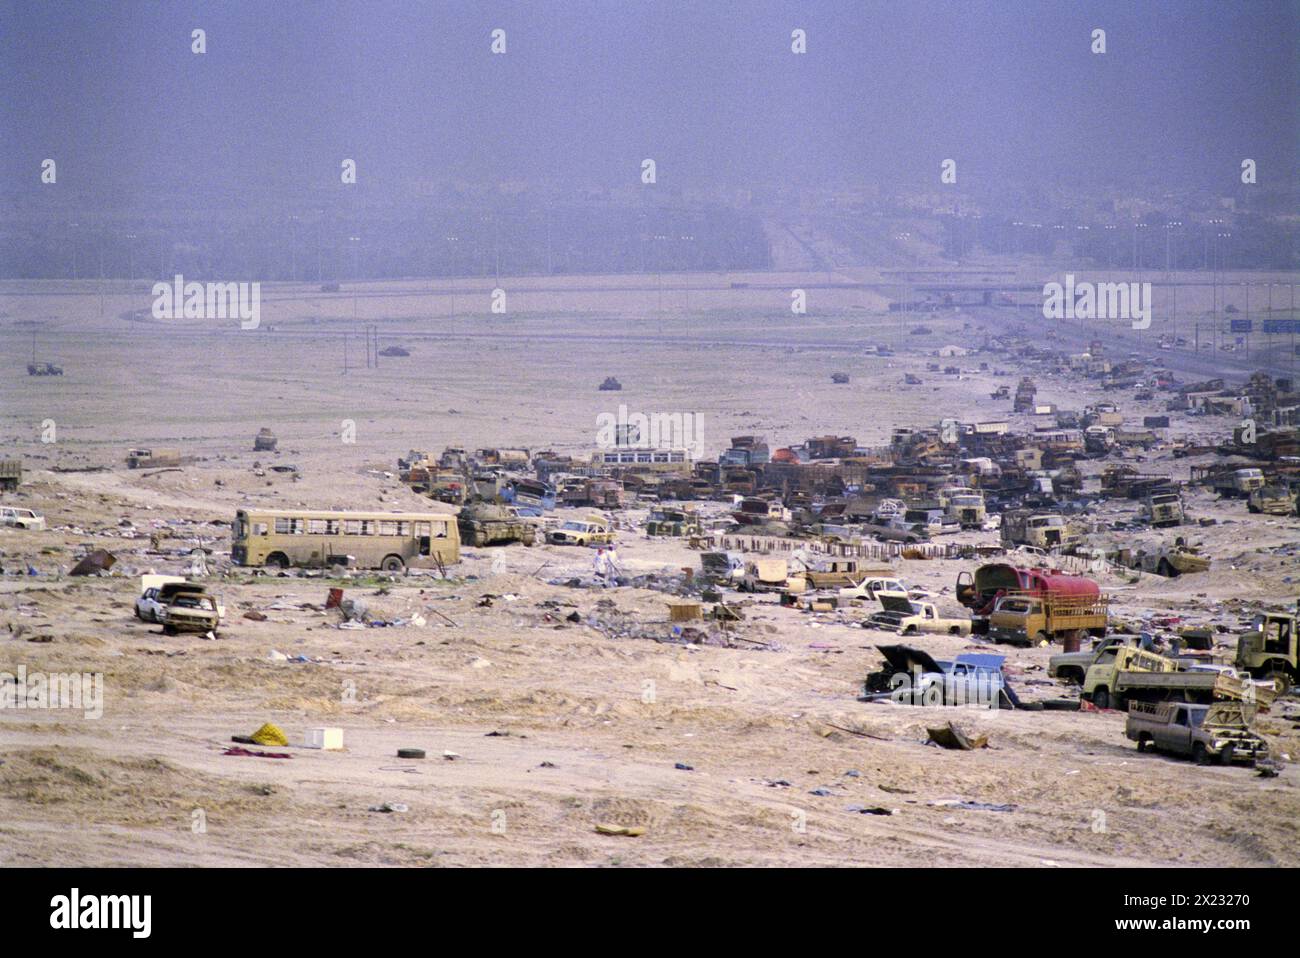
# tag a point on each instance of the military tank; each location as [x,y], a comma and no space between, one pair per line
[486,524]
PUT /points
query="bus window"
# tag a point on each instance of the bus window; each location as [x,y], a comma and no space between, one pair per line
[260,528]
[440,530]
[352,527]
[387,527]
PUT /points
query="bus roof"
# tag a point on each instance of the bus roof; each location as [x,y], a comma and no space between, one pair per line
[342,514]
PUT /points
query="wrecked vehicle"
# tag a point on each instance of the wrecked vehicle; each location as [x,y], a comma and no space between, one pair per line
[1022,619]
[900,613]
[486,524]
[1218,732]
[1073,666]
[610,385]
[1136,674]
[993,580]
[765,575]
[22,519]
[1043,530]
[968,509]
[1162,508]
[264,441]
[868,588]
[1170,562]
[1237,483]
[150,458]
[1274,500]
[178,605]
[11,474]
[531,497]
[913,677]
[1268,651]
[666,521]
[582,532]
[722,568]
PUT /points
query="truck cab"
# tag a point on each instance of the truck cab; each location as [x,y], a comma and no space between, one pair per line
[1268,650]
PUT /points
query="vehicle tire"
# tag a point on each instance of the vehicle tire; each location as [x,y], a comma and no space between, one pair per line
[1143,744]
[1281,681]
[1226,754]
[393,563]
[277,560]
[955,630]
[1101,698]
[1199,755]
[1040,637]
[1071,676]
[169,629]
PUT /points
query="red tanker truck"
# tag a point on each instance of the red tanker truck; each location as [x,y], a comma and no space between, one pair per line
[1055,590]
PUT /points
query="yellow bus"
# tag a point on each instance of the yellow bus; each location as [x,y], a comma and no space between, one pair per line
[392,541]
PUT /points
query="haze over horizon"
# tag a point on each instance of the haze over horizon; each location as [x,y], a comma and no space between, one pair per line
[413,93]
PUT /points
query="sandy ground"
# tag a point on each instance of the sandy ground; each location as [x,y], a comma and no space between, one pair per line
[595,716]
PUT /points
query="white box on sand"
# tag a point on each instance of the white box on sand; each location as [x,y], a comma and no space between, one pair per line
[326,738]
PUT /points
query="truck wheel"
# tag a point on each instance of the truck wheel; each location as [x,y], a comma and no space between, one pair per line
[1101,698]
[1281,681]
[393,564]
[1143,744]
[1199,755]
[169,629]
[1226,755]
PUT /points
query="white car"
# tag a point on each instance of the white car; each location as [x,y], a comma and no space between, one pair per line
[148,608]
[22,518]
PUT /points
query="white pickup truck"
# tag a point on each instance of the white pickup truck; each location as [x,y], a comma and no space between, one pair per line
[899,613]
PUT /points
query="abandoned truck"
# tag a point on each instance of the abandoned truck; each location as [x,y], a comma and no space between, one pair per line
[1023,618]
[11,474]
[665,521]
[1162,507]
[1042,530]
[1218,732]
[1073,666]
[1274,500]
[1136,674]
[994,580]
[151,458]
[1268,650]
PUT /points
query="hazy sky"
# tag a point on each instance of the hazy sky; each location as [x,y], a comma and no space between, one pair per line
[710,90]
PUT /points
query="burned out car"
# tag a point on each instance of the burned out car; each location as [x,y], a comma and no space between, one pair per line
[178,606]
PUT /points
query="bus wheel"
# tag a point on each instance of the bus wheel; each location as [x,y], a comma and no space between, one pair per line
[393,564]
[277,560]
